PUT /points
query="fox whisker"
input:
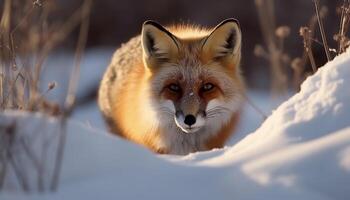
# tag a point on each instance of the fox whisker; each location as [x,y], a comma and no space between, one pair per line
[166,110]
[218,108]
[214,111]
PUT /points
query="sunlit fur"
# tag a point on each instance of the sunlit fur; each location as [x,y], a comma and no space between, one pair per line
[137,104]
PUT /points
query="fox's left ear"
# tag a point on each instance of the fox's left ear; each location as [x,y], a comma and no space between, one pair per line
[224,42]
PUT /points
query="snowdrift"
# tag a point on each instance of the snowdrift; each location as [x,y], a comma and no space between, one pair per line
[302,151]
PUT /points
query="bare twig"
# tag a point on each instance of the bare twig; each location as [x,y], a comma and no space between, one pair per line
[11,137]
[36,163]
[3,171]
[4,40]
[341,38]
[255,107]
[71,93]
[59,154]
[341,26]
[3,160]
[18,172]
[73,83]
[279,79]
[323,34]
[305,33]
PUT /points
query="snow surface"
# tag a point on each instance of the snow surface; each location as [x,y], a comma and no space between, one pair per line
[59,66]
[302,151]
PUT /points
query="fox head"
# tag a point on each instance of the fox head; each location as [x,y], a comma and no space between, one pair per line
[195,79]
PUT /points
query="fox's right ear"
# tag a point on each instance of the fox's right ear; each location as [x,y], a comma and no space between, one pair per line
[158,44]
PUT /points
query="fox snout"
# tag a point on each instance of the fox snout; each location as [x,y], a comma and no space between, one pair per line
[189,116]
[188,122]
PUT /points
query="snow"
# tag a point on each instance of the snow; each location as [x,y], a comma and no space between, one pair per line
[59,66]
[301,151]
[90,115]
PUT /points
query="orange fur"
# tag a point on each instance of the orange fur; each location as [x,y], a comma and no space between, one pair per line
[135,91]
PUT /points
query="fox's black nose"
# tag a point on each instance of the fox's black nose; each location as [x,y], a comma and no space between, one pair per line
[190,120]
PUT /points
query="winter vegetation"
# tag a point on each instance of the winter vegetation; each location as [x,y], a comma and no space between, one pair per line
[293,144]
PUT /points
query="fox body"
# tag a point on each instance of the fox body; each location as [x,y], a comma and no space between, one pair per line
[175,90]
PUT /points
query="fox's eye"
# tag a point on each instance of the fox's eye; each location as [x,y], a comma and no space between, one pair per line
[174,87]
[207,87]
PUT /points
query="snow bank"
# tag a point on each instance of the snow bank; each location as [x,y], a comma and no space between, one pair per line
[302,151]
[320,108]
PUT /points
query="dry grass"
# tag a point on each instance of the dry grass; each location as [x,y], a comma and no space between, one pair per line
[341,37]
[27,37]
[274,49]
[322,31]
[278,57]
[308,35]
[279,60]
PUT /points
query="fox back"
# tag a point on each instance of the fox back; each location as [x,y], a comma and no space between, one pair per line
[175,90]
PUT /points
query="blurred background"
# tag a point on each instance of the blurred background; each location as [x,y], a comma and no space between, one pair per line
[114,22]
[49,43]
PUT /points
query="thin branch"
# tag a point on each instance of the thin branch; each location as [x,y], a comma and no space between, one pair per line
[279,80]
[35,161]
[306,33]
[73,82]
[11,132]
[59,153]
[3,162]
[255,107]
[311,58]
[71,93]
[341,27]
[323,34]
[18,172]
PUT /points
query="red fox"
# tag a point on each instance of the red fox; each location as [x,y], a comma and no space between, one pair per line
[175,90]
